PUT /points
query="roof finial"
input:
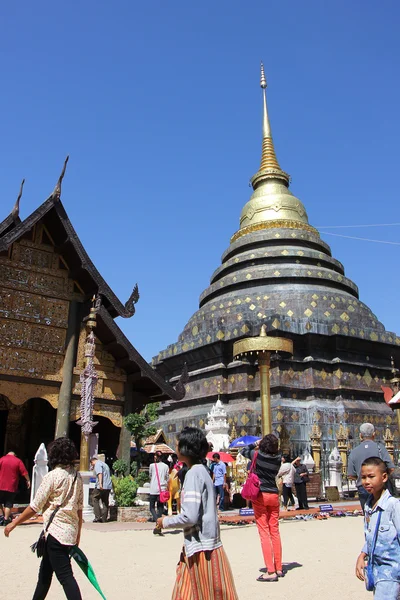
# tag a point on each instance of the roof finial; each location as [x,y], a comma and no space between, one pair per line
[57,190]
[263,81]
[269,168]
[266,124]
[15,210]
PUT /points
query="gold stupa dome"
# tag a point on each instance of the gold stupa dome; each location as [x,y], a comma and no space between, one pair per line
[272,204]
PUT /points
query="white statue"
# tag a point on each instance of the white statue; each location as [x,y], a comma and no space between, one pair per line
[40,469]
[335,469]
[217,427]
[309,462]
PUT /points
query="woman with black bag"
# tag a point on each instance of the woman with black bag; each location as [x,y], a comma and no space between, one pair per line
[60,499]
[301,479]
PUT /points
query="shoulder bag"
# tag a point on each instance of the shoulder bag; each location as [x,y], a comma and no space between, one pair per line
[306,478]
[39,546]
[164,496]
[251,487]
[368,570]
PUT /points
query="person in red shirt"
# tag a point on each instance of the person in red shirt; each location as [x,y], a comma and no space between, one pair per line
[11,469]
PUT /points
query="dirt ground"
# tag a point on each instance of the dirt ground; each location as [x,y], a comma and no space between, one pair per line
[133,565]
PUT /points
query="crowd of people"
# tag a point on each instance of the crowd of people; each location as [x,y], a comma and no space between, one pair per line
[203,569]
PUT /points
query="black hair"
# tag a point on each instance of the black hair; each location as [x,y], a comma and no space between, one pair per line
[217,456]
[269,444]
[193,443]
[375,461]
[286,457]
[62,452]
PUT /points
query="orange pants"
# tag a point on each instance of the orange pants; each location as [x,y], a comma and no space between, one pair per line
[266,512]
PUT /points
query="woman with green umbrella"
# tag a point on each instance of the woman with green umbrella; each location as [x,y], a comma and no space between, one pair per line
[60,500]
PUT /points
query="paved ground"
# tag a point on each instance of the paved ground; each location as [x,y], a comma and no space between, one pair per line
[133,564]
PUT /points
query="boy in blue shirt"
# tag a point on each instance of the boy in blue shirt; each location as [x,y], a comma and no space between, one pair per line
[219,478]
[386,556]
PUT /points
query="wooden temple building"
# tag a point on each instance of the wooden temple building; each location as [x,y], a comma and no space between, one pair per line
[278,271]
[47,282]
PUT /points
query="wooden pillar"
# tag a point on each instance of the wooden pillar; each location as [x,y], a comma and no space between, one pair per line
[125,436]
[65,394]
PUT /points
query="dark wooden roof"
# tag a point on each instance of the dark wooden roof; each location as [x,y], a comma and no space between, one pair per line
[52,214]
[146,379]
[68,244]
[8,224]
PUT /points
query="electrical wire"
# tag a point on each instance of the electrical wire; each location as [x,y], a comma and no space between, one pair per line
[350,237]
[356,226]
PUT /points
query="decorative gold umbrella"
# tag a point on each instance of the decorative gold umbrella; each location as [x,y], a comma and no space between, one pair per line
[262,346]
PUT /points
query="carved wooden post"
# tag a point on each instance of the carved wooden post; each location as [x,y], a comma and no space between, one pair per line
[65,394]
[389,443]
[315,439]
[342,438]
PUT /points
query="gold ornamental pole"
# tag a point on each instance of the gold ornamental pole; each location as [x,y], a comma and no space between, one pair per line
[265,392]
[84,454]
[262,346]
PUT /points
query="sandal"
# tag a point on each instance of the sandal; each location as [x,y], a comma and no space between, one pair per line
[269,579]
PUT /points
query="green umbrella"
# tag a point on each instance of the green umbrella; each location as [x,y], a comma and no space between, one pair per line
[77,554]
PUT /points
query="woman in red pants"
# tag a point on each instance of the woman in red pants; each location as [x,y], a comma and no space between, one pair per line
[266,507]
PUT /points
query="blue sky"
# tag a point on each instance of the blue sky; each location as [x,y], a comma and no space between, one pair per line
[159,106]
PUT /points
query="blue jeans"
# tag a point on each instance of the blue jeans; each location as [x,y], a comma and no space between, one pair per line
[387,590]
[219,491]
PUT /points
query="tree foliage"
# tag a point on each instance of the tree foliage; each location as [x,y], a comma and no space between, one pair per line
[125,489]
[120,467]
[141,425]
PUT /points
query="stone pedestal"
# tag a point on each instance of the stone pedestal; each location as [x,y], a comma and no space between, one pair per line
[88,513]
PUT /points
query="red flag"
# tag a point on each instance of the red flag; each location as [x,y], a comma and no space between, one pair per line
[387,393]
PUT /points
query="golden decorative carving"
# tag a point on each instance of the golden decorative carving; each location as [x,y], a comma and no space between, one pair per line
[389,442]
[40,338]
[315,439]
[19,393]
[342,437]
[113,413]
[43,281]
[276,224]
[30,363]
[19,305]
[103,360]
[262,344]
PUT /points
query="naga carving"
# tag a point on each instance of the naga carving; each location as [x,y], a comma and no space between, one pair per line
[183,379]
[130,304]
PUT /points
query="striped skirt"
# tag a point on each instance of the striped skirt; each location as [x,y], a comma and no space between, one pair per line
[204,576]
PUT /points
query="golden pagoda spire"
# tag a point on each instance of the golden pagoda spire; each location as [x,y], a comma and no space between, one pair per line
[272,204]
[269,167]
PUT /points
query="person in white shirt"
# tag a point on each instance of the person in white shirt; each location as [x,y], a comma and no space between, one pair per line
[287,472]
[159,475]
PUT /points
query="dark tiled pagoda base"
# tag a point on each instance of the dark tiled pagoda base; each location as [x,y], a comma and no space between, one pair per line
[277,271]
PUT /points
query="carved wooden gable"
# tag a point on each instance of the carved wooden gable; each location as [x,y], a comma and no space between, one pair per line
[35,292]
